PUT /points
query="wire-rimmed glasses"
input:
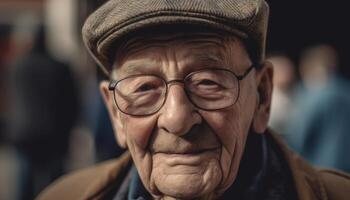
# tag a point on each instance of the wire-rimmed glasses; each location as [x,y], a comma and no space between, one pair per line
[208,89]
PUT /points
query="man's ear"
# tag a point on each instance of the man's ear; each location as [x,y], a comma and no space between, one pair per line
[264,78]
[114,114]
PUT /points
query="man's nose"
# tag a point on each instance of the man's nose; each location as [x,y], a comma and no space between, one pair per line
[178,114]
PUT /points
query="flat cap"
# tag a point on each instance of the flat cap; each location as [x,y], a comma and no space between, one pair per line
[116,19]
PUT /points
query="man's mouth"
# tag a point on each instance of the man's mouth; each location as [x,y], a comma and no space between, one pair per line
[186,151]
[191,157]
[198,144]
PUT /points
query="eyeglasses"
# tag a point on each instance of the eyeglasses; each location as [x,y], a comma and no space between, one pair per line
[207,89]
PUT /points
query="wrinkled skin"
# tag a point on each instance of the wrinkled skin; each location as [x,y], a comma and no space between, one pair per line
[182,152]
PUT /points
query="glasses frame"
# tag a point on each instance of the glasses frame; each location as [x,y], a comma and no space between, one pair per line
[113,83]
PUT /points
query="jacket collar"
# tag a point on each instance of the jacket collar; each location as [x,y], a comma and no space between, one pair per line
[307,181]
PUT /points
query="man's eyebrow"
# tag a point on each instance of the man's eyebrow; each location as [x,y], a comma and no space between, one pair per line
[207,57]
[137,66]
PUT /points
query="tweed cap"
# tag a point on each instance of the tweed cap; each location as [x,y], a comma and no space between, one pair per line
[117,18]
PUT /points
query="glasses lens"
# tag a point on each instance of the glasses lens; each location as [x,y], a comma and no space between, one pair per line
[212,89]
[140,95]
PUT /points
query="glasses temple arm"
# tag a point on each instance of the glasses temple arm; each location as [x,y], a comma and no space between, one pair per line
[245,73]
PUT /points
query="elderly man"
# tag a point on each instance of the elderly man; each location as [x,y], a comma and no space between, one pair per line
[189,97]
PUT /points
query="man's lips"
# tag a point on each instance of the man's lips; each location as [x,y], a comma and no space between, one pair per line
[193,157]
[185,151]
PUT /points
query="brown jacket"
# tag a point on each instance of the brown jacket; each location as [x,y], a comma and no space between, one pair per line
[95,182]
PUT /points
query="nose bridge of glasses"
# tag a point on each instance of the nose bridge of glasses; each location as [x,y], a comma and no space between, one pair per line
[175,81]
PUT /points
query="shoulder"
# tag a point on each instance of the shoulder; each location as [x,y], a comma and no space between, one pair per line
[337,183]
[89,183]
[311,182]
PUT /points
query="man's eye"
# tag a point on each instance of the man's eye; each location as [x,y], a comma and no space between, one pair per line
[145,88]
[207,82]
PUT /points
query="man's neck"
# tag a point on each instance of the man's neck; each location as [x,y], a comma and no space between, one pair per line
[252,169]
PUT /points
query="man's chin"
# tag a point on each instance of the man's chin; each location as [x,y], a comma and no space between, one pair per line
[186,178]
[186,186]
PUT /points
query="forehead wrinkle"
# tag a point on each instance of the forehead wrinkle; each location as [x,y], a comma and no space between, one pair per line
[211,55]
[133,47]
[139,66]
[208,57]
[217,49]
[212,48]
[137,48]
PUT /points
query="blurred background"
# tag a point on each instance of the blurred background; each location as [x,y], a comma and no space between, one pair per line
[52,118]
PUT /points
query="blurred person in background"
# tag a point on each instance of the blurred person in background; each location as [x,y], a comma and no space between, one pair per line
[319,126]
[8,160]
[283,91]
[45,108]
[5,57]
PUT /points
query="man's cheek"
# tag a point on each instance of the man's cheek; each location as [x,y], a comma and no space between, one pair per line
[139,130]
[226,125]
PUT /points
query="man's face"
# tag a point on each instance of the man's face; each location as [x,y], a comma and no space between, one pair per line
[182,151]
